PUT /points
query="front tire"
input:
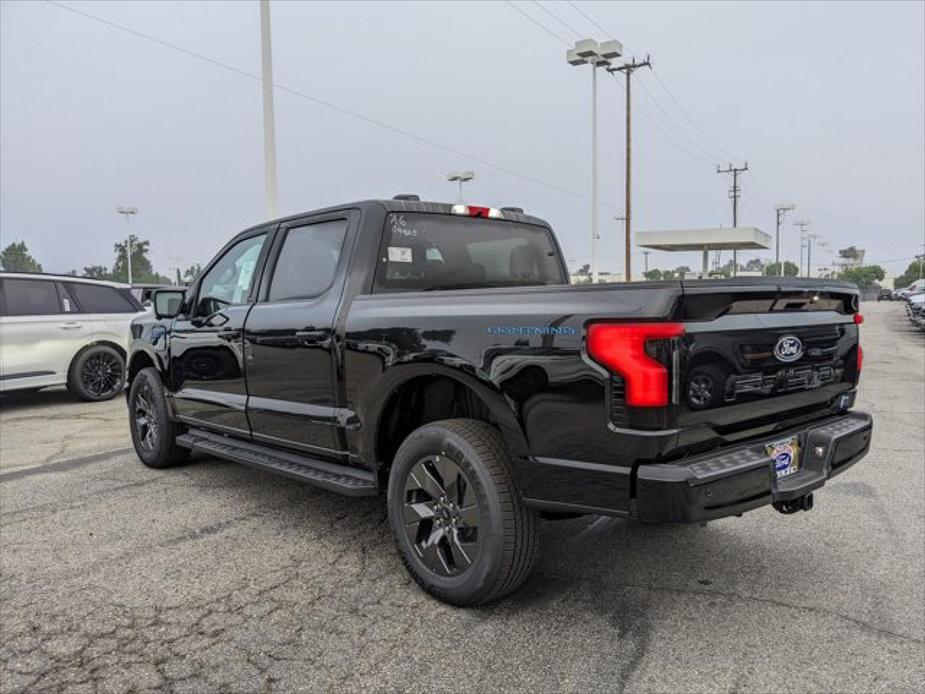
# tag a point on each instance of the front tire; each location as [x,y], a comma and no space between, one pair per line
[154,434]
[459,523]
[97,373]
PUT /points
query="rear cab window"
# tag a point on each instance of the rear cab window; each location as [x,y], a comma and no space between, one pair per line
[424,252]
[25,297]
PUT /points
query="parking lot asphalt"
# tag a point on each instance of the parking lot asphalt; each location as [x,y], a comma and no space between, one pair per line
[215,577]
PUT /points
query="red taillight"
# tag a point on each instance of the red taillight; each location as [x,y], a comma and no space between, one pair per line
[621,348]
[858,319]
[860,358]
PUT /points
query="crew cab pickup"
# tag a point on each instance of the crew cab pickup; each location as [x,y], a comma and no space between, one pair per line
[437,353]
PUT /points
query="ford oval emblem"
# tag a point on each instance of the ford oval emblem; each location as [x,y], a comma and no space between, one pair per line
[788,348]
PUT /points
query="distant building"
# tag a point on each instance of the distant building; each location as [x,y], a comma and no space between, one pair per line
[602,276]
[849,257]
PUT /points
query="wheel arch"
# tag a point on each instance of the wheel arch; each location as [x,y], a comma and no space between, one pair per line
[409,397]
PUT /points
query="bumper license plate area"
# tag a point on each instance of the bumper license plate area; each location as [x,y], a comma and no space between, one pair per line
[784,455]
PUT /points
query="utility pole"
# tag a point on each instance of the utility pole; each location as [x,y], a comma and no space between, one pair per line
[628,69]
[269,127]
[734,193]
[780,211]
[802,224]
[617,218]
[645,255]
[809,253]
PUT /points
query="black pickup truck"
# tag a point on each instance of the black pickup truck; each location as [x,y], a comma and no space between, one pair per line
[437,353]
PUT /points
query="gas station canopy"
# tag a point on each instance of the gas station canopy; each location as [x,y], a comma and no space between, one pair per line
[705,240]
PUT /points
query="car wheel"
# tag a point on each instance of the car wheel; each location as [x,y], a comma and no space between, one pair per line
[460,526]
[97,373]
[705,387]
[154,434]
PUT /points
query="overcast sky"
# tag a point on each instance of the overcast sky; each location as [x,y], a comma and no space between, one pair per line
[826,101]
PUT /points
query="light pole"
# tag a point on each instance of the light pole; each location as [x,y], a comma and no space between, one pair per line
[128,212]
[780,210]
[461,177]
[645,255]
[269,126]
[590,52]
[803,223]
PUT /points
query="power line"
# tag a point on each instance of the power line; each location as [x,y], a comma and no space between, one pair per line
[668,137]
[537,23]
[557,18]
[719,148]
[690,119]
[596,25]
[321,102]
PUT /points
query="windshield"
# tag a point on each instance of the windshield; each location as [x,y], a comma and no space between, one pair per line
[423,252]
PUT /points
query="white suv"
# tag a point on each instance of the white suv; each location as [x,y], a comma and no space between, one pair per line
[62,330]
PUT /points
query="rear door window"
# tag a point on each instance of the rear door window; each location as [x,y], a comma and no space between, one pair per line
[23,297]
[94,298]
[423,252]
[308,260]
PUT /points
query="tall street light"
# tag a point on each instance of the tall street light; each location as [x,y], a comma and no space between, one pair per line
[128,212]
[460,177]
[269,121]
[590,52]
[780,210]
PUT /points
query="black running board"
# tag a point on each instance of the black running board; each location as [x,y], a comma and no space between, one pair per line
[337,478]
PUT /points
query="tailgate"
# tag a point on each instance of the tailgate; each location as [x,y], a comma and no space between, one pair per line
[757,354]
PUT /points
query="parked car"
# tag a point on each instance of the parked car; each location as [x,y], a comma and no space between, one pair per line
[143,292]
[63,330]
[915,308]
[438,354]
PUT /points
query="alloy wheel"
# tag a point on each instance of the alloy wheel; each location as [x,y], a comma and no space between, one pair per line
[101,374]
[145,417]
[441,515]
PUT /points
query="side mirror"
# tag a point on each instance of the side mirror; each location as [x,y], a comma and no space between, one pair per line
[168,302]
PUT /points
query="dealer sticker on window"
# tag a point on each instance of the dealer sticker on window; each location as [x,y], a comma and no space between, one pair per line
[785,455]
[399,254]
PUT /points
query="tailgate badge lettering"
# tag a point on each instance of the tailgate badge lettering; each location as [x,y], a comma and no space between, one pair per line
[788,348]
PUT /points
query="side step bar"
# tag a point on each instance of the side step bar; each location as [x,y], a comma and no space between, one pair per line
[336,478]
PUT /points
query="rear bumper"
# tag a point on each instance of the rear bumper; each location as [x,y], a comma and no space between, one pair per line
[741,478]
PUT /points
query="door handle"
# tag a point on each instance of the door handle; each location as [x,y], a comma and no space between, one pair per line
[69,326]
[311,337]
[229,335]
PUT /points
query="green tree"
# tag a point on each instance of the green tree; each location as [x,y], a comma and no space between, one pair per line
[97,272]
[755,265]
[682,271]
[16,258]
[654,275]
[865,276]
[790,269]
[915,271]
[192,272]
[142,270]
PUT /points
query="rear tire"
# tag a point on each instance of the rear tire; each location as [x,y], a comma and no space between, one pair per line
[459,524]
[97,373]
[154,434]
